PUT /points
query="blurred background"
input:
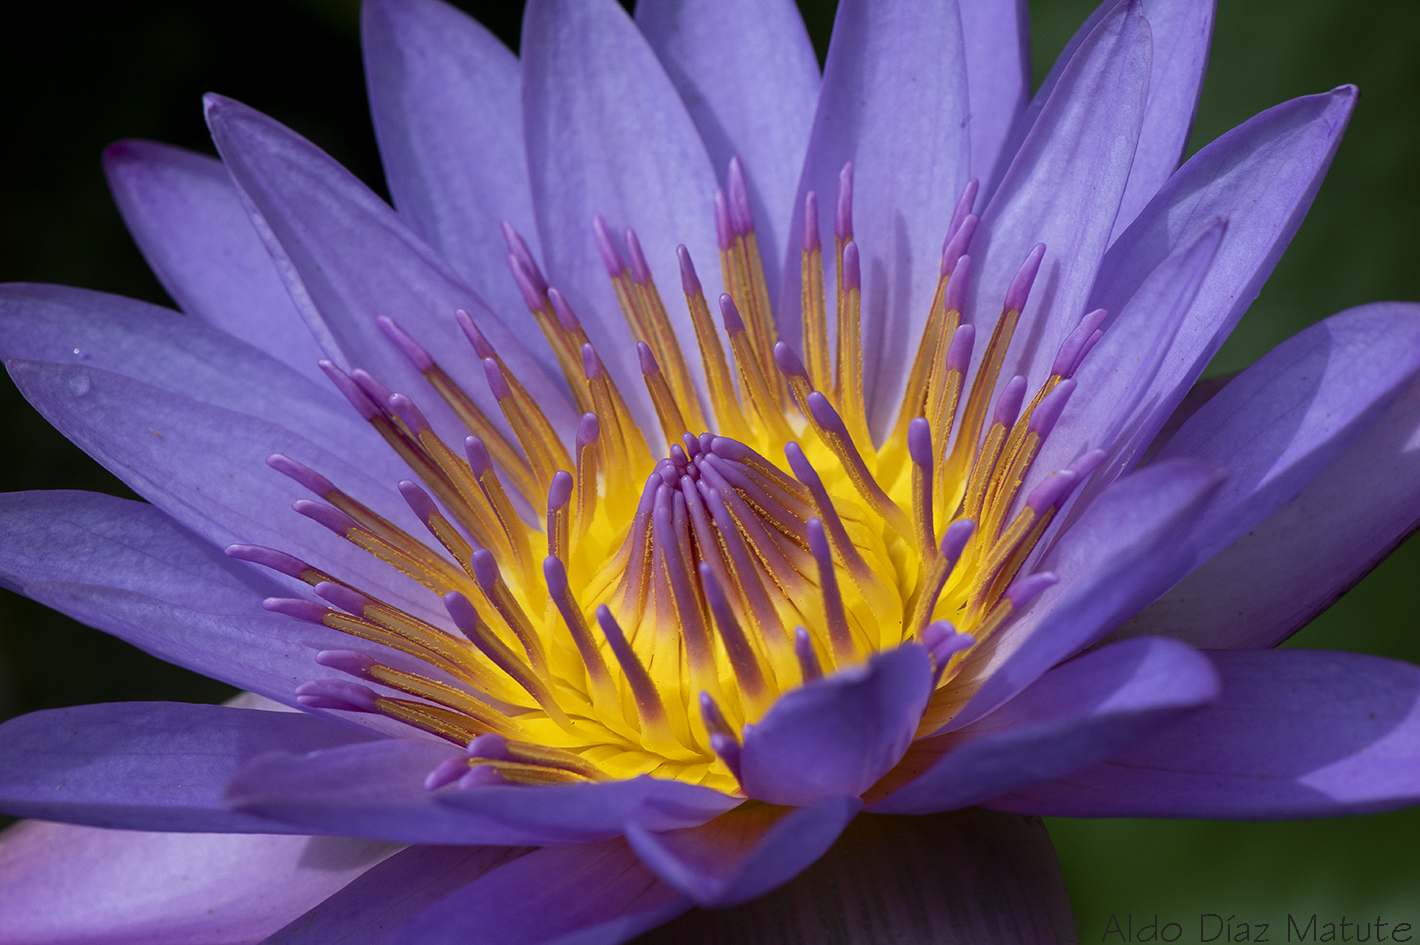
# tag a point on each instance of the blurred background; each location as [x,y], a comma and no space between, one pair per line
[79,75]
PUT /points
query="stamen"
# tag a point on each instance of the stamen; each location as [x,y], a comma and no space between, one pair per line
[828,514]
[649,708]
[467,619]
[559,498]
[486,570]
[809,668]
[815,319]
[277,561]
[367,668]
[588,434]
[556,575]
[836,438]
[666,346]
[752,378]
[667,410]
[510,531]
[723,400]
[935,578]
[744,661]
[919,447]
[845,651]
[842,236]
[943,642]
[848,375]
[722,738]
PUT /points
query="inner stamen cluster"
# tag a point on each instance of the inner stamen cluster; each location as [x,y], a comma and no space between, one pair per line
[610,614]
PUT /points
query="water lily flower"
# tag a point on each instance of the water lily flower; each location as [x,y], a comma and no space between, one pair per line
[708,470]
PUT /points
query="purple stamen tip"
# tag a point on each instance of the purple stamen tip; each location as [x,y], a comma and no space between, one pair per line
[692,444]
[1085,350]
[649,367]
[609,626]
[352,392]
[740,216]
[336,694]
[485,569]
[942,641]
[730,449]
[734,324]
[1087,463]
[591,364]
[811,240]
[565,316]
[824,414]
[404,408]
[852,273]
[919,442]
[278,561]
[478,458]
[959,352]
[348,600]
[809,666]
[958,243]
[1045,416]
[818,542]
[1072,348]
[728,748]
[307,610]
[532,294]
[333,519]
[447,772]
[481,776]
[489,745]
[1019,291]
[559,490]
[518,247]
[1024,591]
[964,205]
[689,281]
[589,428]
[554,573]
[639,270]
[481,347]
[1052,491]
[843,217]
[496,383]
[610,257]
[373,389]
[1008,407]
[724,229]
[463,614]
[711,715]
[347,661]
[788,360]
[957,535]
[418,500]
[799,464]
[408,346]
[302,474]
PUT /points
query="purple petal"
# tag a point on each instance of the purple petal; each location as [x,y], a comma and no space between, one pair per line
[378,790]
[594,894]
[1261,177]
[837,735]
[894,102]
[1285,418]
[1075,715]
[1182,32]
[68,885]
[446,99]
[146,765]
[749,79]
[369,910]
[997,40]
[1124,551]
[971,877]
[1063,189]
[743,854]
[1296,562]
[607,133]
[1296,733]
[205,466]
[188,219]
[348,259]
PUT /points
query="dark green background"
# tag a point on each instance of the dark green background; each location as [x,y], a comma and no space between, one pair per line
[77,76]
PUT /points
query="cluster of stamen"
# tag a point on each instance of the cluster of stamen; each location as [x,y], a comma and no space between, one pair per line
[610,614]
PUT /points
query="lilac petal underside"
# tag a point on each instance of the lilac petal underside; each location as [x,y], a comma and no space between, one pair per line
[378,790]
[1266,585]
[446,99]
[1296,733]
[1121,369]
[607,133]
[372,908]
[1123,552]
[62,884]
[749,79]
[1074,716]
[146,765]
[205,466]
[1183,30]
[997,35]
[1063,189]
[1285,418]
[348,259]
[187,218]
[184,356]
[894,102]
[1261,177]
[744,853]
[835,736]
[593,894]
[970,877]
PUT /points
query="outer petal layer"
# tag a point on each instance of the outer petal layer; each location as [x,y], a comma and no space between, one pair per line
[1296,733]
[67,885]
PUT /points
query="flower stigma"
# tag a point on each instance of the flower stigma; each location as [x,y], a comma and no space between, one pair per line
[619,614]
